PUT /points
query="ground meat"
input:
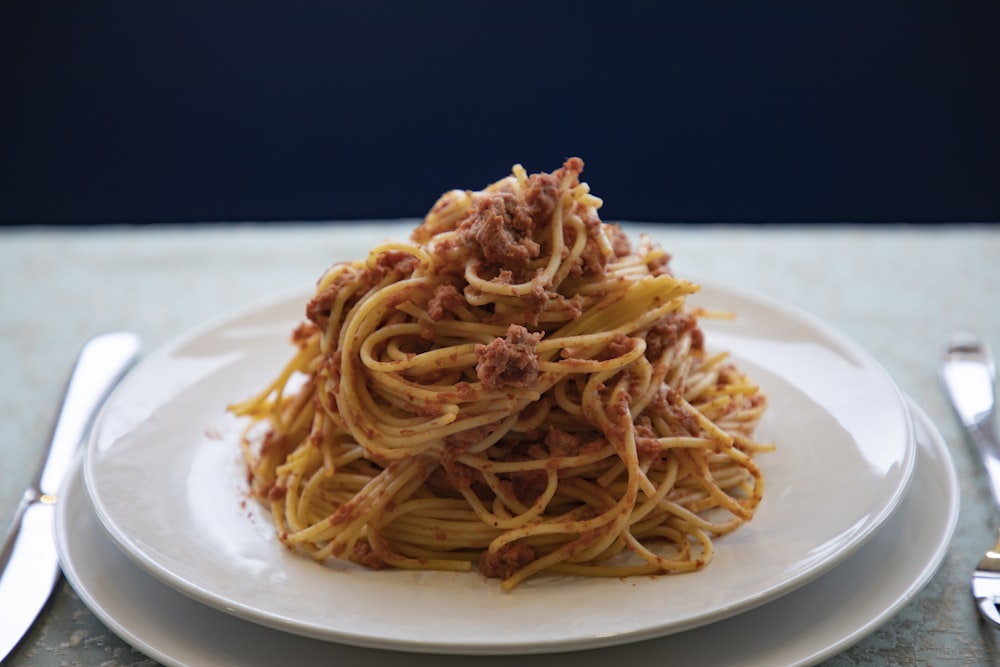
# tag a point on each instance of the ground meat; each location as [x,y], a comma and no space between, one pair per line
[402,263]
[302,333]
[659,265]
[501,232]
[681,422]
[669,330]
[446,299]
[561,443]
[620,242]
[535,303]
[275,444]
[459,443]
[541,198]
[330,368]
[526,486]
[573,307]
[619,345]
[592,260]
[319,307]
[506,561]
[458,476]
[619,409]
[510,361]
[646,443]
[365,555]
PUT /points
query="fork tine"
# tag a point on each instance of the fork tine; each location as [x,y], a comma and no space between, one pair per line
[988,610]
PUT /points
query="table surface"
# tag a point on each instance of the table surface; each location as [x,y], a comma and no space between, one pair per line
[897,290]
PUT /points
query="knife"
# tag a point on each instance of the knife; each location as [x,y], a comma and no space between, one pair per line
[29,564]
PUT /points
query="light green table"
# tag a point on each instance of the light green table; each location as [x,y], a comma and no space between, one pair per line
[898,291]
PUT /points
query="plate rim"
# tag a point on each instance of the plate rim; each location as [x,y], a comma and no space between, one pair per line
[68,534]
[890,505]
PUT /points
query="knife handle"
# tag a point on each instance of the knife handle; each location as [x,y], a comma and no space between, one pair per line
[103,361]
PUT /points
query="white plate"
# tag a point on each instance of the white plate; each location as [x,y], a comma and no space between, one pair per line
[168,484]
[803,627]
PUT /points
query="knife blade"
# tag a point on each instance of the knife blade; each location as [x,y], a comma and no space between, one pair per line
[29,564]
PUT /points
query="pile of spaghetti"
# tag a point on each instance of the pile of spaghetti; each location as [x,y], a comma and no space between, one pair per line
[517,388]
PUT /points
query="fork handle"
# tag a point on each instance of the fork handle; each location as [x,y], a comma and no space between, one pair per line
[983,436]
[968,374]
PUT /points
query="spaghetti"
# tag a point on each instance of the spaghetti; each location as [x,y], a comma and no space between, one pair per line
[516,389]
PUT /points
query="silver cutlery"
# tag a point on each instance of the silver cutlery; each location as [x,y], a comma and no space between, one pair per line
[968,374]
[29,564]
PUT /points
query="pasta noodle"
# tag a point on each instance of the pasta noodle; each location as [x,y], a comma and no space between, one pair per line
[516,389]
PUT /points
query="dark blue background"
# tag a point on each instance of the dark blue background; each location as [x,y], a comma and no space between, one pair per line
[700,111]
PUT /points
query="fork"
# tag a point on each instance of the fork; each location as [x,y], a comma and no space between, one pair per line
[969,376]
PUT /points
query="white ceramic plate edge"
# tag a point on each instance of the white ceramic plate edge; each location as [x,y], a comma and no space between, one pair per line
[176,630]
[871,526]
